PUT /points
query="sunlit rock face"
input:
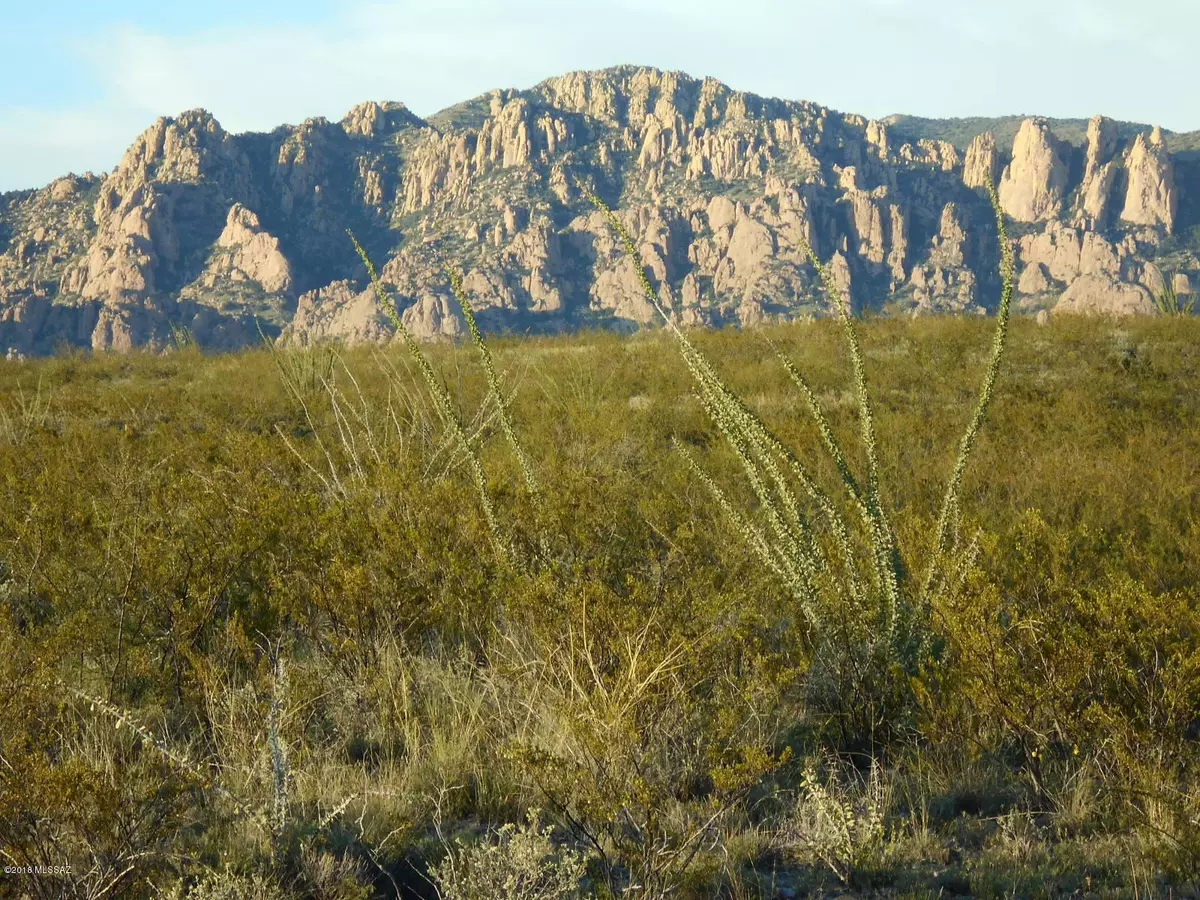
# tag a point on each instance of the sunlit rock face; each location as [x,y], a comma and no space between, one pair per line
[724,192]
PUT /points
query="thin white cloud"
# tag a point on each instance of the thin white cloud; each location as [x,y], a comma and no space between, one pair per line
[929,57]
[426,57]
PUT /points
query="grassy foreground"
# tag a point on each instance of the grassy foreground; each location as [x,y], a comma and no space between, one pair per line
[260,638]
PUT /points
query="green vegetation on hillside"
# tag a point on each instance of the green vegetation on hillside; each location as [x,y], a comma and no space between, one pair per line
[961,131]
[258,637]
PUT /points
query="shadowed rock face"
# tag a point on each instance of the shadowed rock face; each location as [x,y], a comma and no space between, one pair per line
[225,234]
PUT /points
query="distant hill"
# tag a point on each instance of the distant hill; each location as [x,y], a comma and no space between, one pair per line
[222,234]
[960,132]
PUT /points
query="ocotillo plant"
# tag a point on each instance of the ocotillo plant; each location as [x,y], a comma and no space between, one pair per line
[818,557]
[948,541]
[489,368]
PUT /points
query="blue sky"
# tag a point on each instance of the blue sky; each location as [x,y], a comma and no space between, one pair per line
[79,79]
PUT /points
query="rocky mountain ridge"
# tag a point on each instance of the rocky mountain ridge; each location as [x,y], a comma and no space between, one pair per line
[224,235]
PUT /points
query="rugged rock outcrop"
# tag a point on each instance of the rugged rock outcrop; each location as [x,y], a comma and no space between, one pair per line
[1097,293]
[981,164]
[1035,181]
[1100,171]
[943,279]
[339,311]
[244,252]
[1151,198]
[724,193]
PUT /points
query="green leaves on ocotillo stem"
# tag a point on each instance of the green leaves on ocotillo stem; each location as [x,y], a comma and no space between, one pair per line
[456,285]
[948,519]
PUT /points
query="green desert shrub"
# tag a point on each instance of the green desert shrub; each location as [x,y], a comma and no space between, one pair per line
[1110,671]
[231,886]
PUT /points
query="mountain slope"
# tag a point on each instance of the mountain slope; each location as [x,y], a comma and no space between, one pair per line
[223,234]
